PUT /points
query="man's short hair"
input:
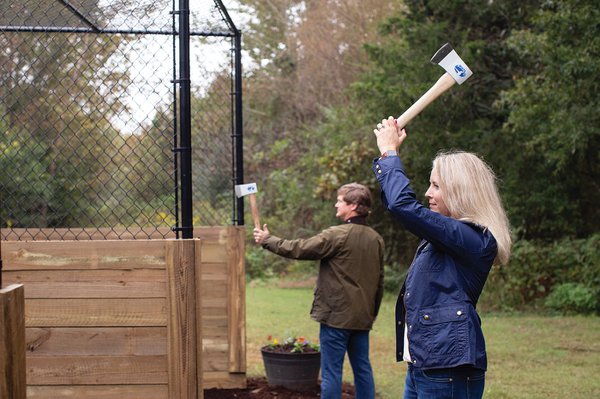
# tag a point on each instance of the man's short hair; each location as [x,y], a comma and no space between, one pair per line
[354,193]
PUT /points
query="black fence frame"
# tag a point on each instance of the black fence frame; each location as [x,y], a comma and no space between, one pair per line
[183,146]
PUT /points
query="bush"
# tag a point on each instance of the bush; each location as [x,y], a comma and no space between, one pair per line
[257,266]
[572,298]
[393,277]
[536,268]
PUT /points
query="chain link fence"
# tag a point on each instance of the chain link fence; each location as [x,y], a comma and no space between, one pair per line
[100,100]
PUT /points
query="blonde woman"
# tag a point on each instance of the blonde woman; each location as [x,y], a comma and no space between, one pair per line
[464,232]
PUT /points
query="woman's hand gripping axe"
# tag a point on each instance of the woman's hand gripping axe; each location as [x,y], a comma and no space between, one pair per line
[456,72]
[250,190]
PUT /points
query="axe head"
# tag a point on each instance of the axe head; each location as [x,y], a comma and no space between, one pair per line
[245,189]
[447,58]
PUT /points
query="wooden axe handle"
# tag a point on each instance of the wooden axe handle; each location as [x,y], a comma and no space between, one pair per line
[443,84]
[254,209]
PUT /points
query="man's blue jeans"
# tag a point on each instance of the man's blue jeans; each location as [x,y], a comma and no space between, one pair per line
[335,342]
[463,382]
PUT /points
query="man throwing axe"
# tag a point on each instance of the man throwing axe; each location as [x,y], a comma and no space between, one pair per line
[349,288]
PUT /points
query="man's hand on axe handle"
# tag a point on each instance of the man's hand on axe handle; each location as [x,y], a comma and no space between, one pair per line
[261,235]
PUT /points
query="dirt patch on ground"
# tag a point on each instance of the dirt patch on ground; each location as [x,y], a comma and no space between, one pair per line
[258,388]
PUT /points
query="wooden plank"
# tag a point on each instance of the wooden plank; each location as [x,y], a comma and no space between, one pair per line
[218,304]
[216,322]
[181,331]
[12,343]
[214,253]
[214,288]
[216,360]
[97,391]
[211,233]
[224,380]
[98,341]
[237,301]
[74,255]
[96,370]
[137,283]
[200,294]
[216,345]
[123,312]
[214,271]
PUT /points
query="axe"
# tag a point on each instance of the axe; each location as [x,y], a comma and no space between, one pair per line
[250,189]
[456,72]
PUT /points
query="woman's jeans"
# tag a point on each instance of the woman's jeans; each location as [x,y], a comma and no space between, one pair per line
[463,382]
[335,342]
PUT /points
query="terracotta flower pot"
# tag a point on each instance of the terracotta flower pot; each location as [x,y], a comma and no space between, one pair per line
[297,371]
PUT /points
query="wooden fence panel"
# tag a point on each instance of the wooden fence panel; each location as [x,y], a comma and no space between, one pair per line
[129,319]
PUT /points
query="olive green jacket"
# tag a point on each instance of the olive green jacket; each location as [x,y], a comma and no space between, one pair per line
[350,283]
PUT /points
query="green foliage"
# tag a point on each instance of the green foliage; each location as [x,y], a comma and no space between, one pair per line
[572,298]
[37,190]
[463,118]
[256,265]
[55,86]
[393,277]
[510,47]
[553,122]
[537,267]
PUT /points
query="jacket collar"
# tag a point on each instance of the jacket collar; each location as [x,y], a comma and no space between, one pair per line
[357,220]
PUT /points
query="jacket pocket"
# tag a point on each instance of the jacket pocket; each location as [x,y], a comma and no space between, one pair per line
[445,330]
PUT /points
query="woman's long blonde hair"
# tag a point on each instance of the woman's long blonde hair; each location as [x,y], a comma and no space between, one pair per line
[468,186]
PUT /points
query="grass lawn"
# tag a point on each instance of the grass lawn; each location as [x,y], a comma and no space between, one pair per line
[529,356]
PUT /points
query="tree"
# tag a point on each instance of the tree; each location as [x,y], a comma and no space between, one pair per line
[58,96]
[463,118]
[306,54]
[554,123]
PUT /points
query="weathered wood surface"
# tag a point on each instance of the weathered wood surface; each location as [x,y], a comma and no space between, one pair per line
[237,303]
[98,392]
[96,312]
[103,341]
[132,283]
[83,255]
[183,326]
[112,300]
[12,342]
[93,370]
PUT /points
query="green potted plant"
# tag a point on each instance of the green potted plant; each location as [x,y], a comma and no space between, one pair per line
[293,362]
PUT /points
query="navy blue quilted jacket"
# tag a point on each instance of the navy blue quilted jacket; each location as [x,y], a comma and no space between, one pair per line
[438,298]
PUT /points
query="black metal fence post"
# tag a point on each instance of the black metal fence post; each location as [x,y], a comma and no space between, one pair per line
[239,136]
[185,124]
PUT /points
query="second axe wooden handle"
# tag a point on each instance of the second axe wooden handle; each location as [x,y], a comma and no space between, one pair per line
[254,209]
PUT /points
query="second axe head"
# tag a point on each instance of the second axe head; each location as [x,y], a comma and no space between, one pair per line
[250,190]
[457,71]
